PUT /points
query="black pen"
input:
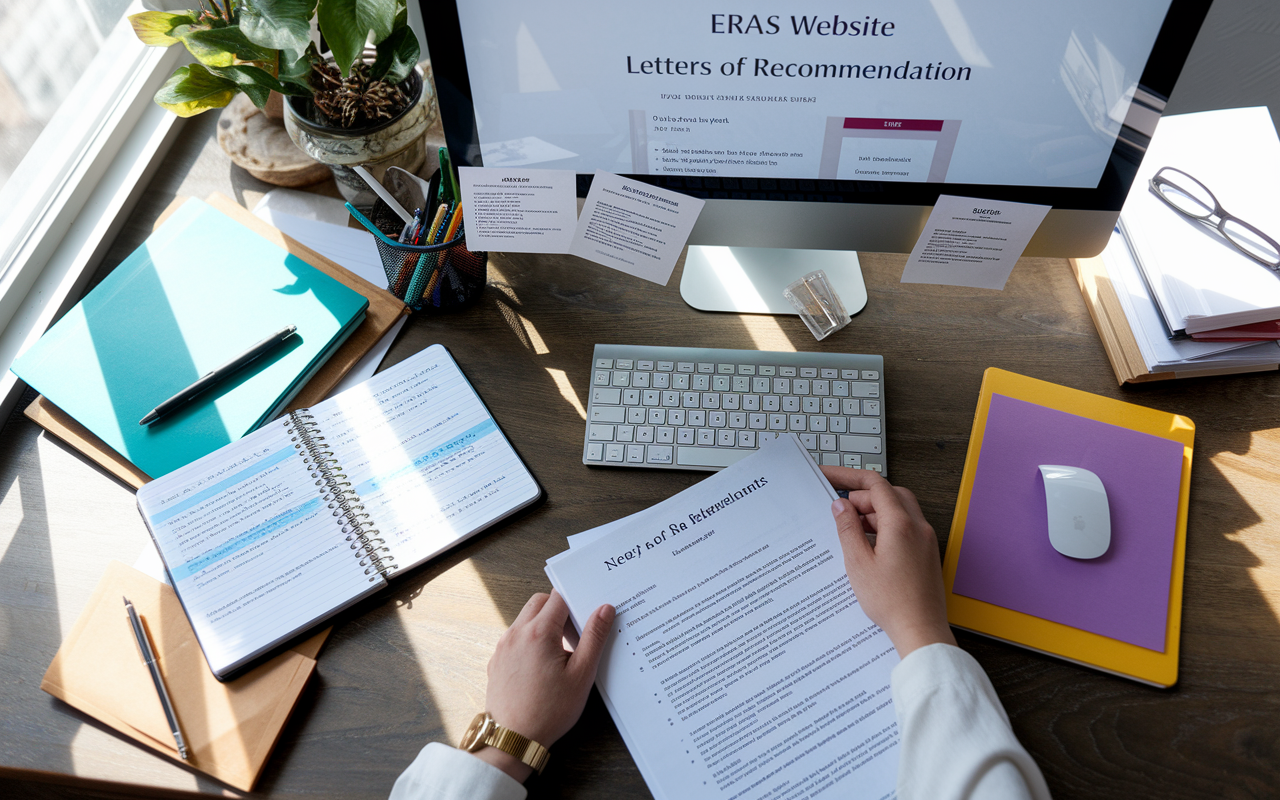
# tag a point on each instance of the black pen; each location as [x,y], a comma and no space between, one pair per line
[149,658]
[218,374]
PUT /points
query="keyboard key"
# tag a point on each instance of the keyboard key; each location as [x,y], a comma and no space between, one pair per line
[666,435]
[661,380]
[831,373]
[746,369]
[830,459]
[810,405]
[666,366]
[800,386]
[702,383]
[606,396]
[860,444]
[631,397]
[698,419]
[818,423]
[871,407]
[720,383]
[621,378]
[614,452]
[741,384]
[644,366]
[827,441]
[706,369]
[614,414]
[864,425]
[640,380]
[710,400]
[851,460]
[822,388]
[751,402]
[787,372]
[684,436]
[870,375]
[602,378]
[690,399]
[650,397]
[684,366]
[708,457]
[679,382]
[850,407]
[717,419]
[791,404]
[838,424]
[809,440]
[657,416]
[808,372]
[724,369]
[840,388]
[771,371]
[625,363]
[781,386]
[864,390]
[746,439]
[644,433]
[595,451]
[626,433]
[659,455]
[873,467]
[761,385]
[726,438]
[849,374]
[636,415]
[772,403]
[737,420]
[830,405]
[730,401]
[635,454]
[777,422]
[671,399]
[706,436]
[675,416]
[604,363]
[757,422]
[798,422]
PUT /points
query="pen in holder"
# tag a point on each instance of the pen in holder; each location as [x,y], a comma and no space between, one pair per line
[440,277]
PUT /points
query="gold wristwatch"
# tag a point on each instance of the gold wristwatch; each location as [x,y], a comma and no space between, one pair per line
[484,731]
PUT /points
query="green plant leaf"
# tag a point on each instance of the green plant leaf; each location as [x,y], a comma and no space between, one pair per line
[222,47]
[295,75]
[346,25]
[278,24]
[397,55]
[153,27]
[253,81]
[193,89]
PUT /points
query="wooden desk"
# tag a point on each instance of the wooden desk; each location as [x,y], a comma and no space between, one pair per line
[411,668]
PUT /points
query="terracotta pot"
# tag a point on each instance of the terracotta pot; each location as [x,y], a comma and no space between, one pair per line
[397,142]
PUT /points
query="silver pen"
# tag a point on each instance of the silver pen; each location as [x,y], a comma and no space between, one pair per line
[149,658]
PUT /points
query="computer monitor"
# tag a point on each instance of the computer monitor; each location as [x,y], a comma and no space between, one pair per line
[818,128]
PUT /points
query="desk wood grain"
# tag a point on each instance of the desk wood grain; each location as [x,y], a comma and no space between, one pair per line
[409,667]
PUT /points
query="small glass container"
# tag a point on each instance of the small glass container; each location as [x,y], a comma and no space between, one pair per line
[818,304]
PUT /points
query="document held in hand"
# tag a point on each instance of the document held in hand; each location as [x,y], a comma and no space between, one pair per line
[740,665]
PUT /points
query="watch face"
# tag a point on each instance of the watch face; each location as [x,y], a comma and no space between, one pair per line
[474,737]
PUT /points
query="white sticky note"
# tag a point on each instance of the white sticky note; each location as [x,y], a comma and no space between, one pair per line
[971,242]
[519,210]
[634,227]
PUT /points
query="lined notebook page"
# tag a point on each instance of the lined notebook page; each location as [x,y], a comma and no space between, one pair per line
[253,551]
[425,456]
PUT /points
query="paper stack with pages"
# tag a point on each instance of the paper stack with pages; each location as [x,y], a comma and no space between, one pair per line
[740,660]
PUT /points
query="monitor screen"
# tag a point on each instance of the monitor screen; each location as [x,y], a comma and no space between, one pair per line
[775,113]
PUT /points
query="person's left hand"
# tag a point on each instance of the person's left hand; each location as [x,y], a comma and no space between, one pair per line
[537,687]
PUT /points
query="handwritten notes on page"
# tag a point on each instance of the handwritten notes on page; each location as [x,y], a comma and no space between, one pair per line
[740,660]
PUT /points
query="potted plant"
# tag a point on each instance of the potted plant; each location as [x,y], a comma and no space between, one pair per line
[360,105]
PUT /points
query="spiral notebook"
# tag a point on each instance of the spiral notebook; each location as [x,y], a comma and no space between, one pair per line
[279,531]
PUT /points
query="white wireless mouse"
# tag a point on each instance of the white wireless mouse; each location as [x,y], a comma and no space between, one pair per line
[1079,516]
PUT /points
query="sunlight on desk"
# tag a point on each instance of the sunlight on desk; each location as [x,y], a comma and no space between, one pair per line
[566,390]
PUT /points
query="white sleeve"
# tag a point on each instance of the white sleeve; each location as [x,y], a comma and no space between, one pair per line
[956,740]
[441,772]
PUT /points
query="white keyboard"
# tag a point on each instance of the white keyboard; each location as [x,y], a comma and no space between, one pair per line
[703,409]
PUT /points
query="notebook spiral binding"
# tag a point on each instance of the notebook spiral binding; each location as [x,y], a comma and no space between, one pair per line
[342,499]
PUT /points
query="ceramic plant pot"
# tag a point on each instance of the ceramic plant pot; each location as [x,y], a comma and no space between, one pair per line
[397,142]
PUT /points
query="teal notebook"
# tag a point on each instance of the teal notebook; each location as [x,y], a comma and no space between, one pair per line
[202,289]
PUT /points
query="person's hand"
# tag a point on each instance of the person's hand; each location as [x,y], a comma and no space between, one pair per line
[537,687]
[898,580]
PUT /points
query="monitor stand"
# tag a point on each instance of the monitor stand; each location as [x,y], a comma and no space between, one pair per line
[750,280]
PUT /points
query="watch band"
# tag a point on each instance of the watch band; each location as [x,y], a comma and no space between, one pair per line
[484,731]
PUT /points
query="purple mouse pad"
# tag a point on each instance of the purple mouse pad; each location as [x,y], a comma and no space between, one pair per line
[1006,558]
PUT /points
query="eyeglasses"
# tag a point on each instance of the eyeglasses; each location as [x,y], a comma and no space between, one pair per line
[1190,197]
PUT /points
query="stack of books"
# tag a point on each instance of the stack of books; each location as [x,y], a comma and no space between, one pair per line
[1171,297]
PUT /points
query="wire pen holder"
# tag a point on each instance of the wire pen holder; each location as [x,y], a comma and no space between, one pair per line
[431,278]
